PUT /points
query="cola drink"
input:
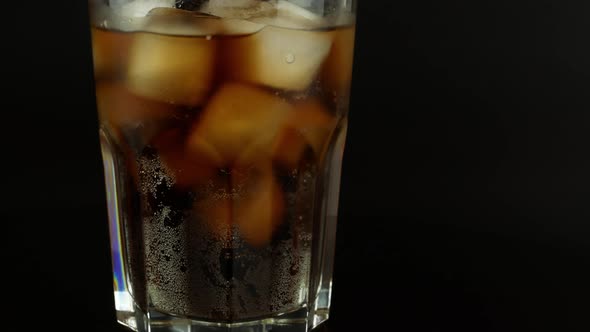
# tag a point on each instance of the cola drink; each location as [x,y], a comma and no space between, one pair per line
[222,125]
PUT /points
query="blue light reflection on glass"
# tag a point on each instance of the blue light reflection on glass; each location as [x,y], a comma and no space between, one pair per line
[119,282]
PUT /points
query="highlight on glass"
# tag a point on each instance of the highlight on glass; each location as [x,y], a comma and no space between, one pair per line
[222,125]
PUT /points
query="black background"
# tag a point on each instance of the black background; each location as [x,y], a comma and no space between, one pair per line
[465,187]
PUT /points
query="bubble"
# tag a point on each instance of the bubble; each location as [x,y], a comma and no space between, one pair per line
[289,58]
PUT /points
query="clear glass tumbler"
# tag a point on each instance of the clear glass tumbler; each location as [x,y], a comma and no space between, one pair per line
[222,127]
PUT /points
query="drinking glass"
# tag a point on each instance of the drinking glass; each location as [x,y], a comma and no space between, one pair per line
[222,125]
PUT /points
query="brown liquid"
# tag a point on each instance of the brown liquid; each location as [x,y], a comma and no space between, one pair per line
[220,137]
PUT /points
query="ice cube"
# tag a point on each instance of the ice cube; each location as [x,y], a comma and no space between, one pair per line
[337,70]
[291,9]
[279,58]
[110,51]
[235,27]
[119,107]
[185,23]
[259,209]
[177,22]
[138,8]
[243,9]
[290,15]
[289,147]
[238,117]
[172,69]
[187,169]
[258,150]
[109,16]
[310,124]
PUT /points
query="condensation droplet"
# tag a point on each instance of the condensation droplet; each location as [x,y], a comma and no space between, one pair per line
[289,58]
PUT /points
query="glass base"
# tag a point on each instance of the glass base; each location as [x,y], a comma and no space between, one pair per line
[297,321]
